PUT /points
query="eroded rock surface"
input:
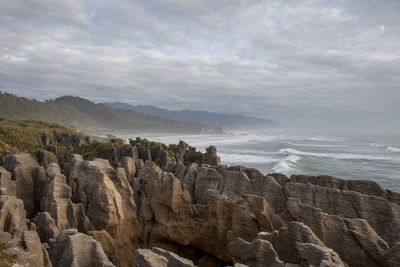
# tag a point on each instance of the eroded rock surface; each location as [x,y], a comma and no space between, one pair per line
[72,248]
[146,206]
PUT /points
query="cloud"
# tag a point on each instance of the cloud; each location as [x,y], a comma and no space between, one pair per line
[267,58]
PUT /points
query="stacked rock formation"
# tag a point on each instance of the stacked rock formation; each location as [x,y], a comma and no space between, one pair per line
[142,207]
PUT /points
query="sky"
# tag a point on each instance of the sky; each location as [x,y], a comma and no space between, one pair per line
[297,61]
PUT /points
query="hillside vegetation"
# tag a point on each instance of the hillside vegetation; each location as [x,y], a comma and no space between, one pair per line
[227,121]
[25,135]
[92,118]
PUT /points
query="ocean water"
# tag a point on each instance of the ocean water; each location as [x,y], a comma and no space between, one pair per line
[367,158]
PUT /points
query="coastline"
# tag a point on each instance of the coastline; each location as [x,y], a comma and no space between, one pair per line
[146,202]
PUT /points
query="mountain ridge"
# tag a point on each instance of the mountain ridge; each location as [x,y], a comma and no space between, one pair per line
[89,117]
[227,121]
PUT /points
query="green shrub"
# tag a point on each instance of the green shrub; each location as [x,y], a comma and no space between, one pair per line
[61,152]
[95,150]
[171,154]
[117,141]
[192,156]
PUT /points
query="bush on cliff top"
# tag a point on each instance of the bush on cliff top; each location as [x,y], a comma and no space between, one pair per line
[151,144]
[24,136]
[100,150]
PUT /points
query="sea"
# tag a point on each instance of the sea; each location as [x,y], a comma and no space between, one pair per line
[345,156]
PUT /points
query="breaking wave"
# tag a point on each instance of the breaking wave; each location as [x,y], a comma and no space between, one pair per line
[291,151]
[286,164]
[236,158]
[322,138]
[390,148]
[312,145]
[393,149]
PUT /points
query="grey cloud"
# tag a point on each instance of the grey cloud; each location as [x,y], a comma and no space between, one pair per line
[266,58]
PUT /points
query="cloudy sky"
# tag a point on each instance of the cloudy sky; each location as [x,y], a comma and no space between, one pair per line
[292,59]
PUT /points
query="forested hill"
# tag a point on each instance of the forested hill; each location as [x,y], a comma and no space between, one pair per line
[227,121]
[90,117]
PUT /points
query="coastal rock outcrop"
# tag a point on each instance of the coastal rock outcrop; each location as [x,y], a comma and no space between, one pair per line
[72,248]
[210,157]
[56,201]
[149,204]
[23,169]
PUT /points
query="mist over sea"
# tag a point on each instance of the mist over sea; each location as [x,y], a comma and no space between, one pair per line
[351,157]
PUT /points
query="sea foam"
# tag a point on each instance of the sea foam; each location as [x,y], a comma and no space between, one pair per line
[286,164]
[393,149]
[291,151]
[236,158]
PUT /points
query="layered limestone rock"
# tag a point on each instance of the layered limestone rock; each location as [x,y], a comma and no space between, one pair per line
[12,216]
[23,169]
[56,201]
[189,210]
[45,157]
[28,251]
[72,248]
[362,186]
[20,243]
[179,151]
[210,157]
[157,257]
[257,253]
[7,186]
[107,198]
[382,215]
[147,258]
